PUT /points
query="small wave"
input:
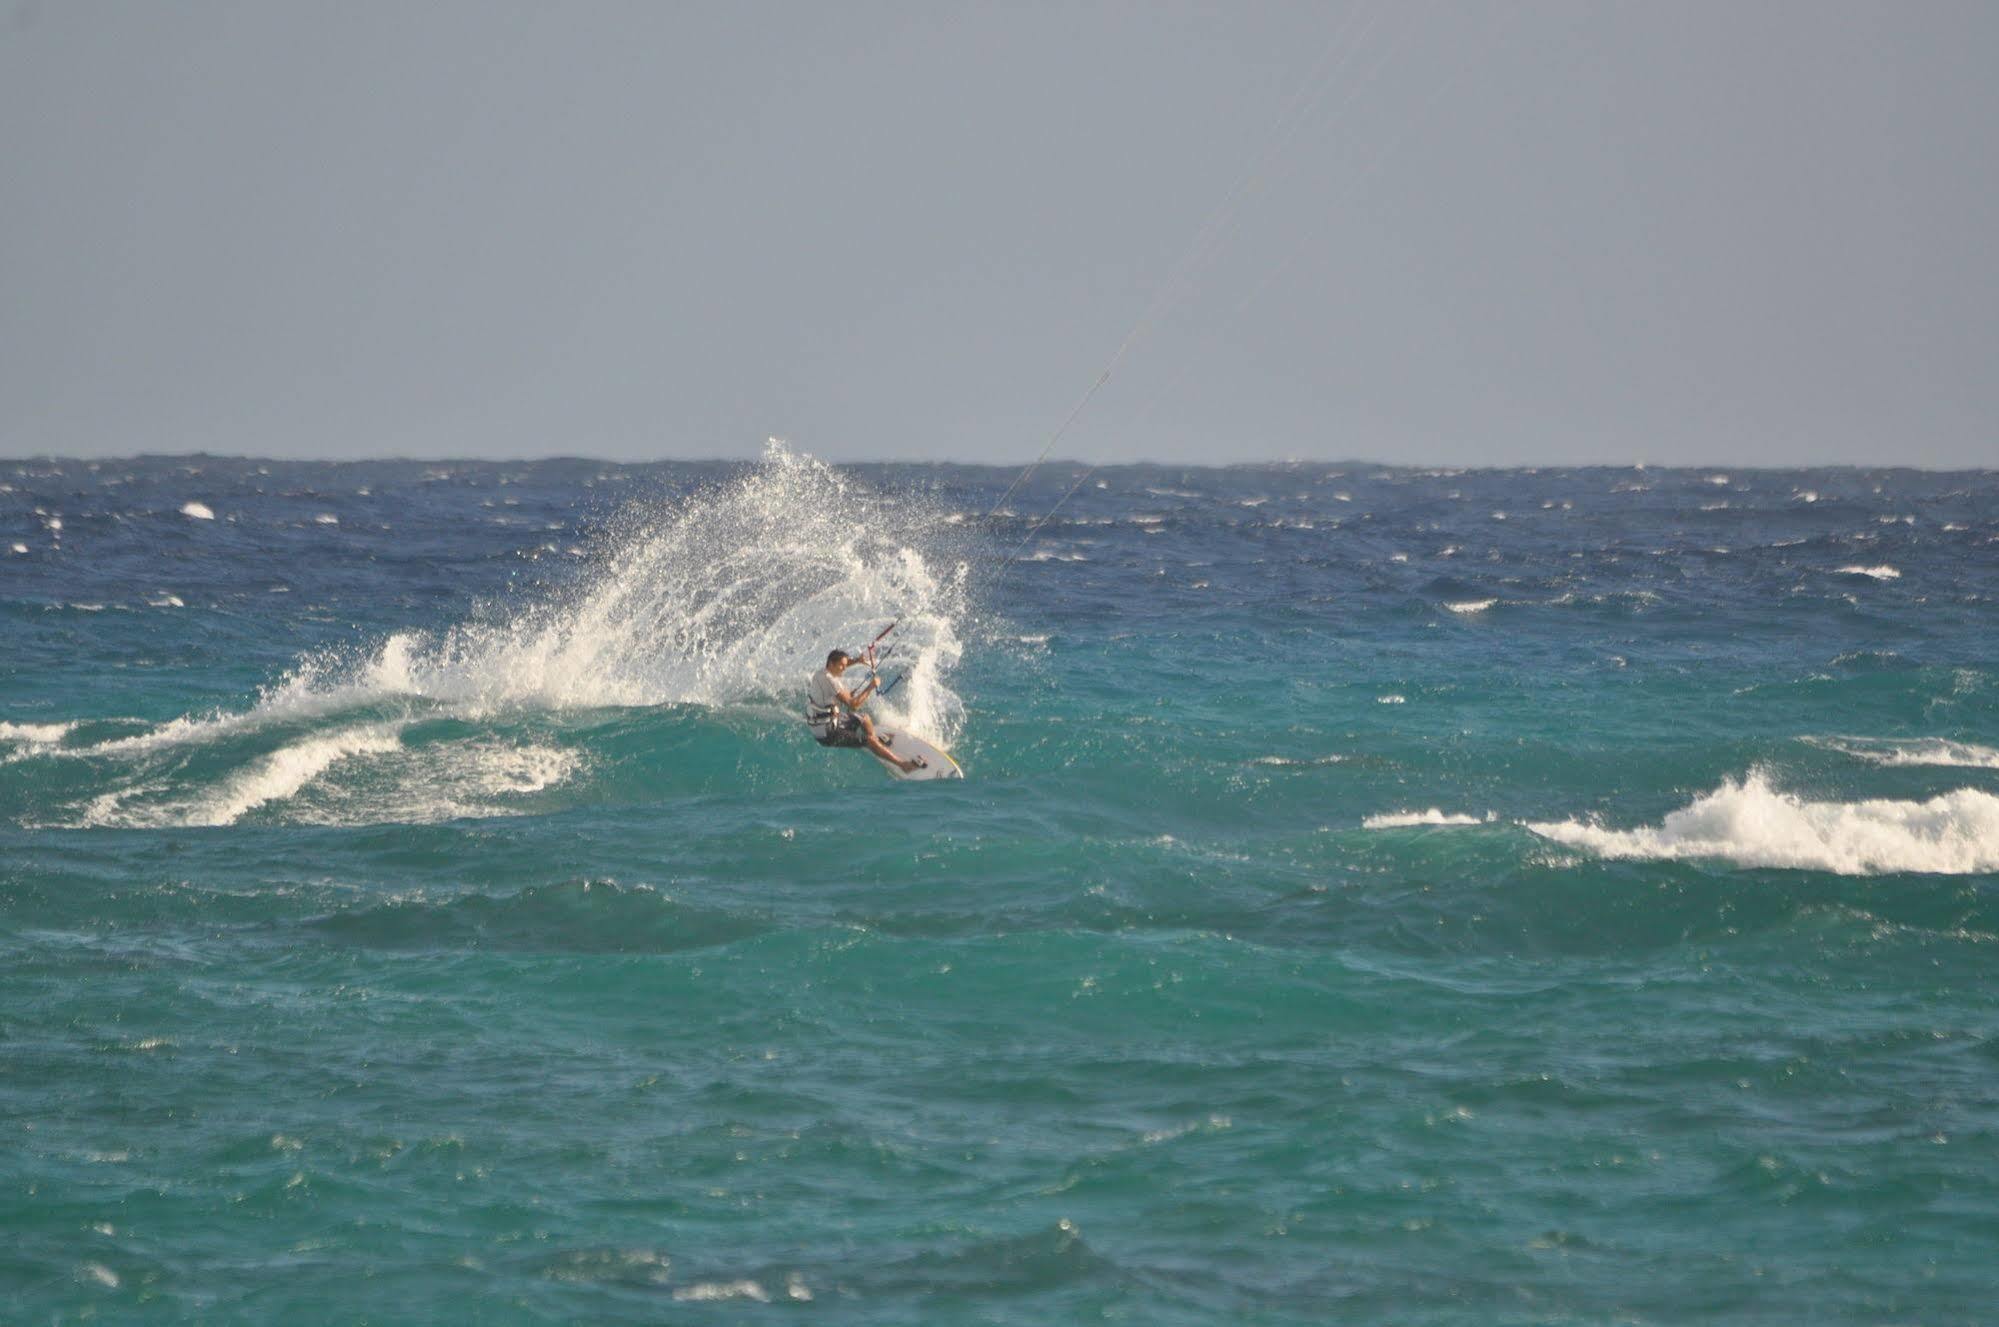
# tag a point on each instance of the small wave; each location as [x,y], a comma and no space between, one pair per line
[1752,824]
[1391,700]
[1298,762]
[1881,573]
[35,734]
[1912,751]
[277,777]
[197,511]
[1433,816]
[1471,605]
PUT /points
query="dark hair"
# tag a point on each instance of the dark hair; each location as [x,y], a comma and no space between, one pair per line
[837,656]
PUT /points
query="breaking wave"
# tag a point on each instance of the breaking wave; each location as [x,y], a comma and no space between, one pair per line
[1753,824]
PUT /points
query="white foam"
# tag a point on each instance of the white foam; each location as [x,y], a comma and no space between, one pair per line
[1912,751]
[283,773]
[197,511]
[326,518]
[426,784]
[276,777]
[705,1291]
[479,769]
[1433,816]
[1881,573]
[34,734]
[1753,824]
[1391,700]
[1471,605]
[17,547]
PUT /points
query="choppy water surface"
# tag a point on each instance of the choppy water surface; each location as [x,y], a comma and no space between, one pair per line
[1376,895]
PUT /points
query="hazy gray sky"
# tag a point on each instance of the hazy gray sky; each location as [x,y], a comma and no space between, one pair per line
[1758,232]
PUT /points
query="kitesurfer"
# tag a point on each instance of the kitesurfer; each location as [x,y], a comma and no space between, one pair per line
[834,714]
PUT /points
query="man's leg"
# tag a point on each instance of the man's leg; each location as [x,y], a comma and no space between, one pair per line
[875,745]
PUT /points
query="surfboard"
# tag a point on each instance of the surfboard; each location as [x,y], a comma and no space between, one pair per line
[939,764]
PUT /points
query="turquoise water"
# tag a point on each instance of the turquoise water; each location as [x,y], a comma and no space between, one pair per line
[1375,895]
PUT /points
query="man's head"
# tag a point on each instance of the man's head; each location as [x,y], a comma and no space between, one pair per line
[837,661]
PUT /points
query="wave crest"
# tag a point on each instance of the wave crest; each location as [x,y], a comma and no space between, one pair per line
[1912,751]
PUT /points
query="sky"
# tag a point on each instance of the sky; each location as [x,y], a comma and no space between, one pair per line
[1414,231]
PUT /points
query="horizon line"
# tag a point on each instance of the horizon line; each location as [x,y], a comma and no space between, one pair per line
[1003,467]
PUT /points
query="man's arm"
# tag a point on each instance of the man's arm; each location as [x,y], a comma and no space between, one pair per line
[853,700]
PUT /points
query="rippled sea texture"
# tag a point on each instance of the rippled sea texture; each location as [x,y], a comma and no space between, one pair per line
[1376,896]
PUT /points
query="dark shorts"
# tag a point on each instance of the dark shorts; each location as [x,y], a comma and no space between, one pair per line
[845,730]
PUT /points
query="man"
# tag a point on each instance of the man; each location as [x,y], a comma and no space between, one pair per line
[834,714]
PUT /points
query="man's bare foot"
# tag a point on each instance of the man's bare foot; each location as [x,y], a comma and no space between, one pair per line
[913,764]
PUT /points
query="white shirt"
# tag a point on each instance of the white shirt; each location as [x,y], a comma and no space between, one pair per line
[822,699]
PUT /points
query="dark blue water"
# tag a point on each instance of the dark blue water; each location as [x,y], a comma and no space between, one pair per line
[1375,895]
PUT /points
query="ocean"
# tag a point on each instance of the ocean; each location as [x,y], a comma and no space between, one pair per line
[1375,895]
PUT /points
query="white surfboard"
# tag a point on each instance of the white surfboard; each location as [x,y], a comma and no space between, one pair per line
[937,764]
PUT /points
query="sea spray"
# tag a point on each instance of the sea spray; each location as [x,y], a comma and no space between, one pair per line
[728,596]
